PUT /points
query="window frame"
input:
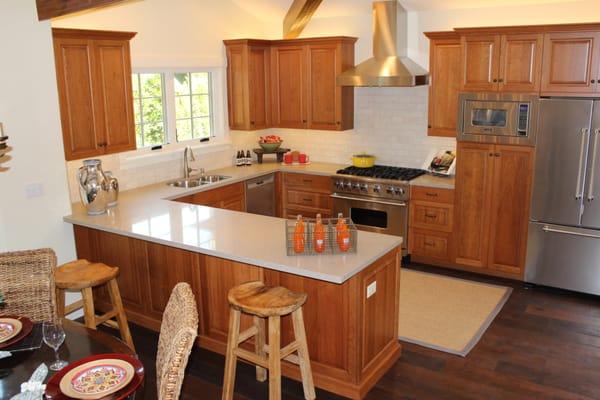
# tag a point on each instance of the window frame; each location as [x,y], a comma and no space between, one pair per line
[217,98]
[141,98]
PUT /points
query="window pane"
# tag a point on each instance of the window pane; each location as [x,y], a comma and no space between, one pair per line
[151,85]
[182,83]
[200,83]
[154,133]
[201,127]
[139,139]
[184,130]
[182,107]
[152,110]
[136,112]
[135,85]
[200,104]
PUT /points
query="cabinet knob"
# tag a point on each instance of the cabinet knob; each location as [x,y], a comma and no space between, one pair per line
[496,154]
[101,144]
[495,80]
[338,122]
[593,81]
[251,122]
[303,121]
[500,80]
[491,154]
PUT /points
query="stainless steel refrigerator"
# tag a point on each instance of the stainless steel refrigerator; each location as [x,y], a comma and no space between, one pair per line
[563,248]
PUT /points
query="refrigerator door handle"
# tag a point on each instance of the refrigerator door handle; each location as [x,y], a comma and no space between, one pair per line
[546,228]
[579,188]
[590,193]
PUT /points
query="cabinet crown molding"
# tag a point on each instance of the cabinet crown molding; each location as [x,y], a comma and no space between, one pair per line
[66,33]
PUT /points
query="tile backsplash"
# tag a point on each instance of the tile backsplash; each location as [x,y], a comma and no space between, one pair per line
[390,123]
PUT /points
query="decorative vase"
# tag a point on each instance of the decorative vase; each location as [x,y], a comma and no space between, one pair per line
[93,187]
[113,189]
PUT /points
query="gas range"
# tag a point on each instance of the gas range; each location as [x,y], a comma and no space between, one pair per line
[378,181]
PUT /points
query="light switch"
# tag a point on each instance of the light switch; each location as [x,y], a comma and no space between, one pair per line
[34,190]
[371,289]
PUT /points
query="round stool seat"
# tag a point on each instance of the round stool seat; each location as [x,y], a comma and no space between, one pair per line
[265,301]
[82,274]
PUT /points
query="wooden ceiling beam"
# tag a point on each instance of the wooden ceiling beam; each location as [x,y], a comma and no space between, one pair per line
[55,8]
[297,17]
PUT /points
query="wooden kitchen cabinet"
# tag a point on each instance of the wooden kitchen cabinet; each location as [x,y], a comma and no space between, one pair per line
[502,62]
[248,84]
[431,222]
[306,194]
[93,70]
[493,191]
[230,197]
[289,97]
[445,73]
[571,62]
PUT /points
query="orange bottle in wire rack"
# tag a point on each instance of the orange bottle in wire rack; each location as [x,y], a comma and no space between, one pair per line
[342,234]
[319,235]
[299,235]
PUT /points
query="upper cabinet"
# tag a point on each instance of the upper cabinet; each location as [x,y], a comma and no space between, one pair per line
[300,88]
[506,63]
[445,71]
[248,78]
[571,62]
[93,70]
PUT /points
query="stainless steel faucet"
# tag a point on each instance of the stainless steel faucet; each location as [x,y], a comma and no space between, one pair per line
[188,155]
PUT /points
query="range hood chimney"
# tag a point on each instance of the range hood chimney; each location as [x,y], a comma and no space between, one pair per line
[389,65]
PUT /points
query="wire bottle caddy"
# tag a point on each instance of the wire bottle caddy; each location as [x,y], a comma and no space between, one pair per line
[332,242]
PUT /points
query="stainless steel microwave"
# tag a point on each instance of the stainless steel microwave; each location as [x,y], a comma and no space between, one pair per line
[507,118]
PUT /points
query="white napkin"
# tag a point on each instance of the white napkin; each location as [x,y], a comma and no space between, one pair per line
[5,354]
[33,389]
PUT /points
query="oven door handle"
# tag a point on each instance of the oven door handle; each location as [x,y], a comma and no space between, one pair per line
[389,203]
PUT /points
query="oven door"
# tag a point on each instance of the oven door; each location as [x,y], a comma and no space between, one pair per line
[374,215]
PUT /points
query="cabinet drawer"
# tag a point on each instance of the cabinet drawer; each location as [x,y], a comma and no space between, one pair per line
[432,194]
[429,215]
[430,244]
[313,183]
[308,199]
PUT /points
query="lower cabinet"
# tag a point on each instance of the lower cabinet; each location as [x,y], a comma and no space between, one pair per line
[352,338]
[431,222]
[306,194]
[230,197]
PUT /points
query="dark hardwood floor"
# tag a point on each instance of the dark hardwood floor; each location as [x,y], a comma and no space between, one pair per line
[544,344]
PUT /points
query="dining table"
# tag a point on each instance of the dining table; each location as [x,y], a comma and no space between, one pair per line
[80,342]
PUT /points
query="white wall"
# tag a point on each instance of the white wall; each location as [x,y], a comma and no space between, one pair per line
[30,113]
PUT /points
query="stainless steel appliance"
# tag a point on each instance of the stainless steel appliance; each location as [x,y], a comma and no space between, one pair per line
[564,231]
[93,187]
[375,198]
[260,195]
[498,118]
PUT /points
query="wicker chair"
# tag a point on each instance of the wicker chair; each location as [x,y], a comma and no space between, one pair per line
[178,331]
[27,282]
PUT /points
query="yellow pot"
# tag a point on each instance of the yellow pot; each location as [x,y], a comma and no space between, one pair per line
[363,160]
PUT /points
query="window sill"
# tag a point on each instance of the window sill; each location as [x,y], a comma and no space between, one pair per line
[145,157]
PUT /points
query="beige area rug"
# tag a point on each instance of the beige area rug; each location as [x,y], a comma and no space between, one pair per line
[447,314]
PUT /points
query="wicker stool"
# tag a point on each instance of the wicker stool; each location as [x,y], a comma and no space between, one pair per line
[81,275]
[270,303]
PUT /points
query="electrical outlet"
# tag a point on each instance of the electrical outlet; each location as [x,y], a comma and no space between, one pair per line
[34,190]
[371,289]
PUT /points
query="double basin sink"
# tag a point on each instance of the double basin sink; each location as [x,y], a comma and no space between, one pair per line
[195,181]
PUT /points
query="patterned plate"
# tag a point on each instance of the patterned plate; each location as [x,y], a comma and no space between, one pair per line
[9,328]
[26,327]
[97,379]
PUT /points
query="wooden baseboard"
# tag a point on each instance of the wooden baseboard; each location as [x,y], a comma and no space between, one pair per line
[477,270]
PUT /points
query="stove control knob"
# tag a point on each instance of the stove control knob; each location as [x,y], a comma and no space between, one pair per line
[390,190]
[339,184]
[398,191]
[364,187]
[348,185]
[376,188]
[355,186]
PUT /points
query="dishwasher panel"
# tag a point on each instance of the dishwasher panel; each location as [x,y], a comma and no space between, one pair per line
[260,195]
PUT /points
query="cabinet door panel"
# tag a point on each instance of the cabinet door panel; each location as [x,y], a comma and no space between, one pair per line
[237,98]
[430,244]
[113,68]
[79,116]
[570,62]
[445,72]
[289,92]
[513,169]
[324,96]
[473,194]
[480,59]
[258,83]
[521,63]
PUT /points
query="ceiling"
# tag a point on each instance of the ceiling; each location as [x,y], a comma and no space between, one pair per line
[276,9]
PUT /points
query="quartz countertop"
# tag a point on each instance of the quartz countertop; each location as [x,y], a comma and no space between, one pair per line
[147,213]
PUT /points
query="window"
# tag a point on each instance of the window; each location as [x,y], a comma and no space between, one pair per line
[172,106]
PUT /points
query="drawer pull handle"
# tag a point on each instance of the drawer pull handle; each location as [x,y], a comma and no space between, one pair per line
[307,180]
[431,194]
[427,215]
[308,200]
[429,244]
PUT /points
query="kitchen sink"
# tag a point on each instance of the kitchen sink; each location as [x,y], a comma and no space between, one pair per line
[197,181]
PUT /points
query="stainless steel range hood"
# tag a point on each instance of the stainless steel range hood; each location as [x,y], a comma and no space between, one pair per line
[389,65]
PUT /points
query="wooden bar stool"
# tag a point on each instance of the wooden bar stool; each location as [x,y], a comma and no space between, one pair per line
[264,302]
[81,275]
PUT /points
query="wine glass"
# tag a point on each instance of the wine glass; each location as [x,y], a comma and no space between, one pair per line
[54,336]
